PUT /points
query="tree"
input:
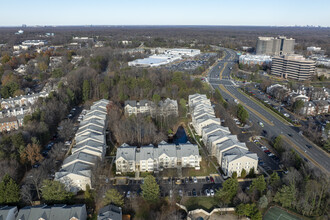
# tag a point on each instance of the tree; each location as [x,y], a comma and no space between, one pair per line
[26,194]
[88,195]
[251,173]
[9,190]
[258,184]
[263,202]
[32,153]
[86,90]
[242,114]
[228,191]
[278,144]
[112,196]
[243,173]
[234,175]
[156,98]
[249,210]
[297,105]
[66,129]
[286,196]
[55,192]
[274,180]
[150,189]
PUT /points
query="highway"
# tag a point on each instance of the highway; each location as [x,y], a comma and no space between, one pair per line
[219,78]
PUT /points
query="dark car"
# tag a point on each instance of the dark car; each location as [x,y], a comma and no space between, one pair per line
[169,180]
[194,193]
[207,179]
[190,179]
[290,135]
[212,180]
[309,146]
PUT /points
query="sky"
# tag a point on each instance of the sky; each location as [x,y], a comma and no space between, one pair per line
[165,12]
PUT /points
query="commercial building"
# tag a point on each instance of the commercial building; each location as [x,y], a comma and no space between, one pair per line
[293,67]
[255,60]
[164,56]
[34,43]
[90,147]
[314,49]
[165,107]
[150,158]
[231,155]
[275,46]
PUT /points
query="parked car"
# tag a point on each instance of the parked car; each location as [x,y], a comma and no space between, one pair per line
[128,195]
[207,179]
[212,180]
[212,192]
[180,193]
[171,193]
[195,180]
[207,192]
[194,193]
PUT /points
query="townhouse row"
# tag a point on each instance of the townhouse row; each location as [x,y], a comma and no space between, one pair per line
[232,155]
[89,147]
[58,211]
[152,159]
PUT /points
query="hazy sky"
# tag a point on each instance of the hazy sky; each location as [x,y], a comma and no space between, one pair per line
[165,12]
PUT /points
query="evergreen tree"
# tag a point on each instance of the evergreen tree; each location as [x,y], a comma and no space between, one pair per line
[9,190]
[150,189]
[54,192]
[112,196]
[228,191]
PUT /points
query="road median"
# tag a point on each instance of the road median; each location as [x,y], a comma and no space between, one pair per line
[248,107]
[265,108]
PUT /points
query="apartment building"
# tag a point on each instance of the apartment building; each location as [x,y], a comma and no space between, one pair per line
[293,67]
[275,46]
[89,148]
[218,140]
[165,107]
[151,158]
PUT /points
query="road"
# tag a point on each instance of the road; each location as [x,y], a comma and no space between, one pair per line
[219,78]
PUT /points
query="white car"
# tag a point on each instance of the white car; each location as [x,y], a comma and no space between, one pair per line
[195,179]
[207,192]
[271,154]
[128,195]
[212,192]
[180,193]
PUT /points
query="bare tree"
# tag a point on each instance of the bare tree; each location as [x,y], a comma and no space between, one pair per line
[66,129]
[26,194]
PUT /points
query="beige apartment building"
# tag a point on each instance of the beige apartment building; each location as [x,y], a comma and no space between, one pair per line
[293,67]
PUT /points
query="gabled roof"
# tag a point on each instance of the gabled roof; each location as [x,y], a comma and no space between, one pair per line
[186,150]
[80,156]
[126,152]
[90,136]
[91,128]
[110,212]
[168,149]
[236,153]
[55,212]
[146,152]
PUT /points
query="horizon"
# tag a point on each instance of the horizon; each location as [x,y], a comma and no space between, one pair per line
[146,12]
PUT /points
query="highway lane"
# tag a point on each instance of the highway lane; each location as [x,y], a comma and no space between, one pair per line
[220,75]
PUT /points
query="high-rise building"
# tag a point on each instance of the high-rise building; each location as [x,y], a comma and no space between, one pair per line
[275,46]
[293,67]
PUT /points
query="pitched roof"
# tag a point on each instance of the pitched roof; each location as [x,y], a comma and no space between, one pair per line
[110,212]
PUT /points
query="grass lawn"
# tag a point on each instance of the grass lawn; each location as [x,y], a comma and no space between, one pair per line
[171,172]
[206,169]
[206,203]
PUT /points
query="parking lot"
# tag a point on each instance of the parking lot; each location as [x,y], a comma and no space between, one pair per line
[192,64]
[267,158]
